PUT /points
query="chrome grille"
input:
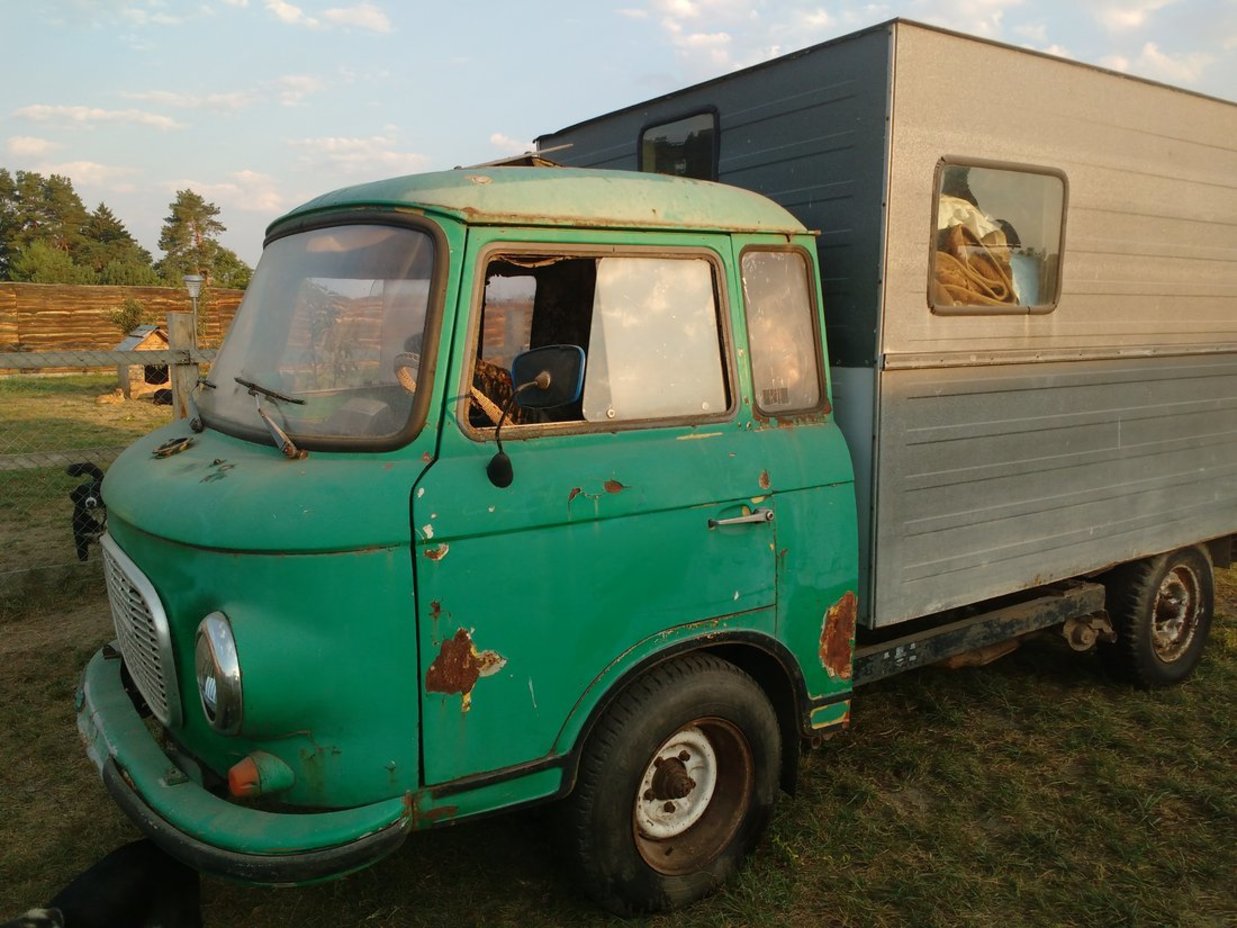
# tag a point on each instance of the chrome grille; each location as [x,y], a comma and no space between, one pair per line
[142,628]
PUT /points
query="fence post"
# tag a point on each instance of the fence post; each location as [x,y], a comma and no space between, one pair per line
[183,369]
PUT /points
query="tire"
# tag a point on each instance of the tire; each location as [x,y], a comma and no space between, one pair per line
[675,786]
[1161,611]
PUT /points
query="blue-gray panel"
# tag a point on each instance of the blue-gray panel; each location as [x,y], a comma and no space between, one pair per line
[807,130]
[994,479]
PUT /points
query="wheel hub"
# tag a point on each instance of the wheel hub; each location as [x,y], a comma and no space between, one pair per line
[1175,615]
[677,786]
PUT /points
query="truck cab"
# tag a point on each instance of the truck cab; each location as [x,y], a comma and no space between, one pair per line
[508,484]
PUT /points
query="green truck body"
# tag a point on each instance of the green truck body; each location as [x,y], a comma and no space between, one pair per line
[414,643]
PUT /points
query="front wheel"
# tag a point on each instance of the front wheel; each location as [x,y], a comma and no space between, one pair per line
[676,784]
[1161,611]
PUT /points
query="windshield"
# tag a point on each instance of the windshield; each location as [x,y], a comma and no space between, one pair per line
[328,338]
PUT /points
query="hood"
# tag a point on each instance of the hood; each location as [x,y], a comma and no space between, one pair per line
[226,493]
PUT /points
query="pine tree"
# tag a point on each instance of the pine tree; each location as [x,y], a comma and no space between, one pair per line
[112,253]
[189,238]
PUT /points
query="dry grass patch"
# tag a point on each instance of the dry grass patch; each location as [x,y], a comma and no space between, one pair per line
[1034,792]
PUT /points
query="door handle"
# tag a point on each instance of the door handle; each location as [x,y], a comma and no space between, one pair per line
[752,518]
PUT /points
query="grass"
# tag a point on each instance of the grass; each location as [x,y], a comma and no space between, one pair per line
[42,414]
[1033,792]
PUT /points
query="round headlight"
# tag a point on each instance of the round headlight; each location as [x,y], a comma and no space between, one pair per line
[218,672]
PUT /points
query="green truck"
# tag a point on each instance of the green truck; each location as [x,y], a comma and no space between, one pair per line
[509,485]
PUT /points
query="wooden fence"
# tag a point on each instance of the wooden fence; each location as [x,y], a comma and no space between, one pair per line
[58,317]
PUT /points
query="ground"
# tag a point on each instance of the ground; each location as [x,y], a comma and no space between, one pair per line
[1034,792]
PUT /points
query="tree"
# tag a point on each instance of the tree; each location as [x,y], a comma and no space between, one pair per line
[34,208]
[42,263]
[189,238]
[190,241]
[230,270]
[112,253]
[129,315]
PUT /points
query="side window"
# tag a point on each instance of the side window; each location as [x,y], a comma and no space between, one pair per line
[781,331]
[997,239]
[685,148]
[649,326]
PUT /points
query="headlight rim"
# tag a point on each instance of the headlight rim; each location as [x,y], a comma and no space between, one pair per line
[215,644]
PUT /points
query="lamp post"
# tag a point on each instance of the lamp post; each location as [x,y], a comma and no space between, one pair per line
[193,283]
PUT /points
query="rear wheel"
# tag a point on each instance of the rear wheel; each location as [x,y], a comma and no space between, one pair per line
[1161,611]
[676,784]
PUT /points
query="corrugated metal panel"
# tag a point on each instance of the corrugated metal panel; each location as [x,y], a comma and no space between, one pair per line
[809,132]
[1150,258]
[998,479]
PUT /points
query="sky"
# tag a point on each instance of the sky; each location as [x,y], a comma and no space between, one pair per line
[259,105]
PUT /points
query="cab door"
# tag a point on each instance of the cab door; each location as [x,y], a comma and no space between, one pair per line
[639,510]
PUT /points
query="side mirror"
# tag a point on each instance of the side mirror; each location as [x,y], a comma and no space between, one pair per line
[550,376]
[542,378]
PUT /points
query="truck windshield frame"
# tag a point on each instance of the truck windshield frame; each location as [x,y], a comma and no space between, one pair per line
[342,315]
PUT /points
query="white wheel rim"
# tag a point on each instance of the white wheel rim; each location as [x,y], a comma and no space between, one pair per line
[677,785]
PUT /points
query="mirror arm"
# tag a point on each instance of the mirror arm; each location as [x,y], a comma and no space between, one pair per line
[499,468]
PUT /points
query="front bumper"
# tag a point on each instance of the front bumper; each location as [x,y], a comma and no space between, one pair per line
[205,831]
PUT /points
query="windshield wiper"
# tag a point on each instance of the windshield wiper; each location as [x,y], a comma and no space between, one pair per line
[282,441]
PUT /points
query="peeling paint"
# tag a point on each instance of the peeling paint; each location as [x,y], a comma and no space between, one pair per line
[765,482]
[427,530]
[438,552]
[696,436]
[420,492]
[459,665]
[836,636]
[613,486]
[575,491]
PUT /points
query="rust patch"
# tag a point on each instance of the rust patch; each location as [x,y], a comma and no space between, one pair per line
[575,491]
[836,636]
[435,610]
[438,552]
[828,408]
[419,818]
[613,486]
[765,482]
[459,665]
[427,458]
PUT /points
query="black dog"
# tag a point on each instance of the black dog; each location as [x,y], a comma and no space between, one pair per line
[136,886]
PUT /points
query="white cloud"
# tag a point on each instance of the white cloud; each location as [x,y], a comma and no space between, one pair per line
[290,14]
[92,174]
[983,18]
[292,89]
[218,102]
[361,16]
[632,13]
[1180,69]
[1126,16]
[27,146]
[240,3]
[509,145]
[245,191]
[373,155]
[149,14]
[90,115]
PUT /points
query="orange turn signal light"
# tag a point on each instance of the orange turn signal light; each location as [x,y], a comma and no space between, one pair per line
[258,774]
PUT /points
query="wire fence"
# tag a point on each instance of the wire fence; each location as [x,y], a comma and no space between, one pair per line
[58,411]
